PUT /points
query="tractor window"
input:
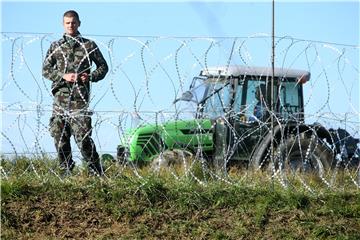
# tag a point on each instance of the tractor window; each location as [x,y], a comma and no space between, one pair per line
[198,92]
[289,99]
[255,107]
[250,97]
[238,108]
[255,100]
[218,102]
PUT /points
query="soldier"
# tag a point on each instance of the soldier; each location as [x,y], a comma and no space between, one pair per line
[67,64]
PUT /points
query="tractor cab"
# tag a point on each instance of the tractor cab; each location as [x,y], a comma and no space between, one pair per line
[244,93]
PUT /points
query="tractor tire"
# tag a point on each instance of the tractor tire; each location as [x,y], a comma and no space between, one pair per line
[304,155]
[299,158]
[303,161]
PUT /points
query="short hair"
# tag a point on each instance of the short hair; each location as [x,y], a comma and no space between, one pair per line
[72,13]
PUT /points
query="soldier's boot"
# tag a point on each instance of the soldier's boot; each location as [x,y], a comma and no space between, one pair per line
[65,158]
[95,169]
[90,155]
[93,160]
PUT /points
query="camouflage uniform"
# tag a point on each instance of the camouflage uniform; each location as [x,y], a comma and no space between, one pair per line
[71,100]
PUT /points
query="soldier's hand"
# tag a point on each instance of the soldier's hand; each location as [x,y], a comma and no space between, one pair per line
[70,77]
[84,77]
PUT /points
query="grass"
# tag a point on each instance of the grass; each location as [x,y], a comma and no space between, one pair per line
[40,205]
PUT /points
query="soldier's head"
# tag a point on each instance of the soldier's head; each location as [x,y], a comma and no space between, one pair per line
[71,22]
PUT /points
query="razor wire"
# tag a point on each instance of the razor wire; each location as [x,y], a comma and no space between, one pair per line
[146,75]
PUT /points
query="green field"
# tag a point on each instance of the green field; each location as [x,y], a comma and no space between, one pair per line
[127,204]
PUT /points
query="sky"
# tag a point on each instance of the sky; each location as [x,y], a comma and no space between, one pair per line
[144,43]
[319,20]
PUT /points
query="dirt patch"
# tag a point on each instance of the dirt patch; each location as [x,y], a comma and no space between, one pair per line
[75,219]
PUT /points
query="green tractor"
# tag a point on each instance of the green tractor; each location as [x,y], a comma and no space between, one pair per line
[234,125]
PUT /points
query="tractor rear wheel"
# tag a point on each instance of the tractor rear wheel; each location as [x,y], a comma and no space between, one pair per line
[302,158]
[304,155]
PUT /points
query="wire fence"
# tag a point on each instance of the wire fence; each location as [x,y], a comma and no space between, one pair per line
[147,74]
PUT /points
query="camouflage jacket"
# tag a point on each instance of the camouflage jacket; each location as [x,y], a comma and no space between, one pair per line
[73,55]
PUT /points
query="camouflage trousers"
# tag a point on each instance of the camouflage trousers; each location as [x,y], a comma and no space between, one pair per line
[77,123]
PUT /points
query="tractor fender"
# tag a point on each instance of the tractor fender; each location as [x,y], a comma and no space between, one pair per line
[343,143]
[339,139]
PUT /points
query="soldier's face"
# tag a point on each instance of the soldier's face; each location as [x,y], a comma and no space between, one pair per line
[71,25]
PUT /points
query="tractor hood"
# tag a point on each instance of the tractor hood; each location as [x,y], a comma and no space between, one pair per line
[147,141]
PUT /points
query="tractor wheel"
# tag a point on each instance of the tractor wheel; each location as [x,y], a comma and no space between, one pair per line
[303,161]
[306,159]
[304,155]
